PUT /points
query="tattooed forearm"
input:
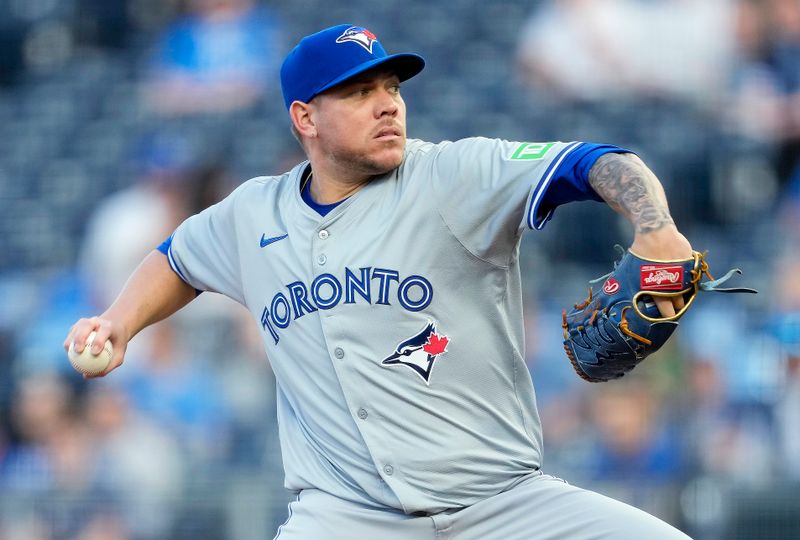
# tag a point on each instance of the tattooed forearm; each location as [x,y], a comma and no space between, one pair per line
[630,188]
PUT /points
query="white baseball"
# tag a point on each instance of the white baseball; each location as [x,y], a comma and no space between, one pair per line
[88,363]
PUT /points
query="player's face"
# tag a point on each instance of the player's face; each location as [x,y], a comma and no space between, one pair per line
[361,124]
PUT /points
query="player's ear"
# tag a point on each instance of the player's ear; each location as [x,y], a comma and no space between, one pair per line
[302,120]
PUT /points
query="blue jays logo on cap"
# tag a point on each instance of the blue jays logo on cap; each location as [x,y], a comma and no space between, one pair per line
[323,60]
[419,352]
[359,35]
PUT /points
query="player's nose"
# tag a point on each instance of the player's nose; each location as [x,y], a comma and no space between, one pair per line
[386,104]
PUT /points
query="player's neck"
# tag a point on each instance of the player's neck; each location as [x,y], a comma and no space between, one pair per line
[327,188]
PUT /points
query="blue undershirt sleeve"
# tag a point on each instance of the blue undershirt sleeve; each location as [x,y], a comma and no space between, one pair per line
[570,182]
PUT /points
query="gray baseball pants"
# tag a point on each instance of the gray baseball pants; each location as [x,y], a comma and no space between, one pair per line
[540,508]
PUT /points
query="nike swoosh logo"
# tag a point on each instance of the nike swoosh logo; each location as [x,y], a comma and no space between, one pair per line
[267,241]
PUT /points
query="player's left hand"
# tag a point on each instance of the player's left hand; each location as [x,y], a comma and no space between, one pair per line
[614,329]
[665,244]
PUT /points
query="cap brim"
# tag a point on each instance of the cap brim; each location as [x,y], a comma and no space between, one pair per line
[405,65]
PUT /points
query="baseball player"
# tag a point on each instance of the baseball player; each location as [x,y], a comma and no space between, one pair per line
[384,276]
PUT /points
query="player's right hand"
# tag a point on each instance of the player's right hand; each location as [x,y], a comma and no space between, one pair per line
[107,330]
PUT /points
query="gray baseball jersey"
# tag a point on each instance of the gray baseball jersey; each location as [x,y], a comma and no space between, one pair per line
[394,323]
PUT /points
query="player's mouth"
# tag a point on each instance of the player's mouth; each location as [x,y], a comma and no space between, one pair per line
[389,133]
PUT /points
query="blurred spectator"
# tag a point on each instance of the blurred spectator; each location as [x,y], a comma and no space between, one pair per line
[788,407]
[754,110]
[165,379]
[640,73]
[40,408]
[784,23]
[731,382]
[785,327]
[51,458]
[635,441]
[220,58]
[133,222]
[598,50]
[765,87]
[139,217]
[146,485]
[181,393]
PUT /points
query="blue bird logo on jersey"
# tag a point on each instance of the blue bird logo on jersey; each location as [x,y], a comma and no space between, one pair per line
[360,35]
[420,351]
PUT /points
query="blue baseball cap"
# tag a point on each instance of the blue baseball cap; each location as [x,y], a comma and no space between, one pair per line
[329,57]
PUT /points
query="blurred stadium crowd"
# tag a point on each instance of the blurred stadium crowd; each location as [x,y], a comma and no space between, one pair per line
[120,118]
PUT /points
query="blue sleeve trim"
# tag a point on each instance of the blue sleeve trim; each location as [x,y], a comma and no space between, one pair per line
[567,180]
[544,182]
[166,249]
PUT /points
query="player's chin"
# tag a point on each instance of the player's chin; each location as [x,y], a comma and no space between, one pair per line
[389,154]
[384,166]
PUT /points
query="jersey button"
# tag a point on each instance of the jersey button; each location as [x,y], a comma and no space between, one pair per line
[321,259]
[362,413]
[323,234]
[388,469]
[338,352]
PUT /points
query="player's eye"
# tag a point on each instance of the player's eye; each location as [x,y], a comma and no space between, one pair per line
[357,91]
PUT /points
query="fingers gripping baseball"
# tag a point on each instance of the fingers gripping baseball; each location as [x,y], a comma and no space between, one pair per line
[95,333]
